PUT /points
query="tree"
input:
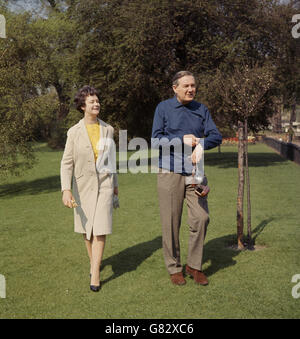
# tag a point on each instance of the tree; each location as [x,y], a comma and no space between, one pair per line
[38,69]
[17,93]
[285,52]
[56,64]
[246,93]
[131,49]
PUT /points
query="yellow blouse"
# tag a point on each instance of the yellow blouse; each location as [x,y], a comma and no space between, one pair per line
[94,135]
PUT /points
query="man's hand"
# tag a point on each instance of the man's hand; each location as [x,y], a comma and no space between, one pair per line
[67,199]
[190,140]
[204,191]
[197,154]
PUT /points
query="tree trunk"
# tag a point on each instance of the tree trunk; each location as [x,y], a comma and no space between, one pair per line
[249,231]
[64,102]
[241,180]
[57,131]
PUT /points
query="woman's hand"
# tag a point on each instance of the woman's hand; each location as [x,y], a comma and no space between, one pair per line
[67,198]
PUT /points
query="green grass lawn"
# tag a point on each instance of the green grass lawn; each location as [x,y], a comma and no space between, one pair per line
[47,270]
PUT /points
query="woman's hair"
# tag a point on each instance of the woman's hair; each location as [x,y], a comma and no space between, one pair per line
[179,75]
[81,96]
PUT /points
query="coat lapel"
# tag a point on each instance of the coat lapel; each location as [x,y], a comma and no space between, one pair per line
[103,139]
[84,133]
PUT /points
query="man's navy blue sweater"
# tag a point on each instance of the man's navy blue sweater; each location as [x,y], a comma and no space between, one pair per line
[173,120]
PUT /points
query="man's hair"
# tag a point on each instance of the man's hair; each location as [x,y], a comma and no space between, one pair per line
[81,96]
[179,75]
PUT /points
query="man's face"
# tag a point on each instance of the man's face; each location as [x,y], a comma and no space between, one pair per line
[186,89]
[92,105]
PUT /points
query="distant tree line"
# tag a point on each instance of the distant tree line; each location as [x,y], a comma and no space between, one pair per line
[129,50]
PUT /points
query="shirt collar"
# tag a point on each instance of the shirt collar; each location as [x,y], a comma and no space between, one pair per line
[177,104]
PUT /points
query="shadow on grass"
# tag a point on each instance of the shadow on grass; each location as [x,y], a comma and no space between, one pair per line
[258,230]
[222,160]
[229,159]
[44,185]
[129,259]
[220,252]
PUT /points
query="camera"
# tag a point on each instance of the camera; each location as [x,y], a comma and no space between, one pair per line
[201,190]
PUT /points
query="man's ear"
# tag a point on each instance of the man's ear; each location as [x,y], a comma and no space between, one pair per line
[174,88]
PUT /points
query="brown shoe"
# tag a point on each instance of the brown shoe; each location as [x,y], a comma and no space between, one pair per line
[199,276]
[178,279]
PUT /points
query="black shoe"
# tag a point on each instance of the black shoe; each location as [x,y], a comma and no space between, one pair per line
[95,288]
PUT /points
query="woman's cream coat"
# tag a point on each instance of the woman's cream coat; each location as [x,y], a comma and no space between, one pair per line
[92,191]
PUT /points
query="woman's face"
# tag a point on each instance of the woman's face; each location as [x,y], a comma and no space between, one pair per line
[92,105]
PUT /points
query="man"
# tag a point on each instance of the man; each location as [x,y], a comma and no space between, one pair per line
[290,133]
[178,125]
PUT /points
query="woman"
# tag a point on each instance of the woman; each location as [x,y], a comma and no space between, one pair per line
[89,145]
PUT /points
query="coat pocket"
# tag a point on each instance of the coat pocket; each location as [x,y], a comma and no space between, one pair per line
[78,176]
[78,182]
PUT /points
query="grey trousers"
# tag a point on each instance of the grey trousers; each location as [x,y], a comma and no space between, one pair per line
[172,191]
